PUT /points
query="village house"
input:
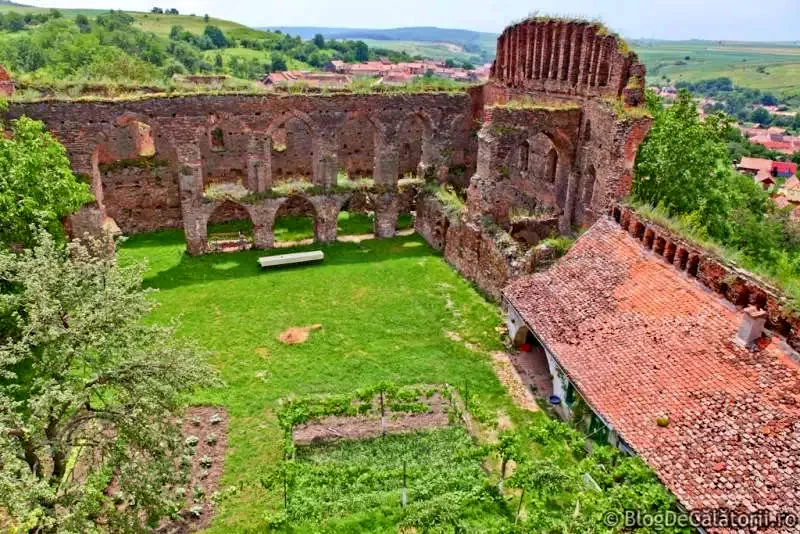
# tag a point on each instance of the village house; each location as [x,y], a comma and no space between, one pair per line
[669,369]
[311,79]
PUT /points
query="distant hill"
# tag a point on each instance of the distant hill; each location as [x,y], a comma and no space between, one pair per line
[9,3]
[429,41]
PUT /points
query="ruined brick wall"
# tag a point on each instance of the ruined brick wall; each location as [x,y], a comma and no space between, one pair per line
[107,141]
[566,57]
[142,199]
[525,160]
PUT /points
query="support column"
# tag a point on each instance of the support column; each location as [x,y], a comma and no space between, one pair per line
[387,157]
[325,160]
[327,213]
[258,164]
[565,221]
[386,214]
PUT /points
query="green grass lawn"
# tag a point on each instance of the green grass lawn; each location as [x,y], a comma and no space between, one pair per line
[385,307]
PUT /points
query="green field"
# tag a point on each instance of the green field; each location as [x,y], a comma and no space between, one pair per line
[766,66]
[156,23]
[370,332]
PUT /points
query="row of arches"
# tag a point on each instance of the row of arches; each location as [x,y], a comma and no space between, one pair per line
[228,224]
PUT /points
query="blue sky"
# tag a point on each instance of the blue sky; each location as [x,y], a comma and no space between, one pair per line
[776,20]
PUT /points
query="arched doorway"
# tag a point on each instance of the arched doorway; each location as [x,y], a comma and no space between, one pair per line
[229,228]
[543,163]
[295,221]
[412,136]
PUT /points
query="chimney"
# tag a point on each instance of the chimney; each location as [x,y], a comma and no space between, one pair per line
[752,326]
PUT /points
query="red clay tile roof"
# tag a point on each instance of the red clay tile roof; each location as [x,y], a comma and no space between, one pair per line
[784,167]
[639,339]
[756,164]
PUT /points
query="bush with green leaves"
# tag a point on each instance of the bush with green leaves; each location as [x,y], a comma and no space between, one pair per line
[87,386]
[37,185]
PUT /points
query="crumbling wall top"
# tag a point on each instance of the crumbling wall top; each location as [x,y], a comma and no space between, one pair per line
[568,57]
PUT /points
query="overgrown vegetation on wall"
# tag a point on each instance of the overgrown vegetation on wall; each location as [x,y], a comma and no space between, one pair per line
[684,176]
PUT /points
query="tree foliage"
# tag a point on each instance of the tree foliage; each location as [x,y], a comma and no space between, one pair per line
[37,185]
[89,392]
[684,171]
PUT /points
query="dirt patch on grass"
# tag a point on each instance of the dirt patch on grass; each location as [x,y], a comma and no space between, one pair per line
[367,426]
[262,352]
[209,425]
[297,334]
[509,377]
[453,336]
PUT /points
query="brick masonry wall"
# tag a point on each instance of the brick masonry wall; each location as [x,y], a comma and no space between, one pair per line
[386,137]
[566,57]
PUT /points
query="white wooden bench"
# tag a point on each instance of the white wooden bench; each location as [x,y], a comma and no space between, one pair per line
[289,259]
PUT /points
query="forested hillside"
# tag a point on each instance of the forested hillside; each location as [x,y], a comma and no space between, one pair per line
[42,47]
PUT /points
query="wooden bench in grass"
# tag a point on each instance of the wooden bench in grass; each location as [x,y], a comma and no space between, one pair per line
[289,259]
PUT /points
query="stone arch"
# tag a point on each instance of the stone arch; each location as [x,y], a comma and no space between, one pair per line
[356,145]
[292,144]
[544,161]
[132,152]
[300,206]
[227,146]
[415,141]
[238,236]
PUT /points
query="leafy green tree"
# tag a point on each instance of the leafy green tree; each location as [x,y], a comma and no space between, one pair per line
[83,24]
[361,51]
[319,41]
[683,163]
[37,185]
[761,116]
[218,63]
[89,392]
[14,22]
[217,36]
[278,63]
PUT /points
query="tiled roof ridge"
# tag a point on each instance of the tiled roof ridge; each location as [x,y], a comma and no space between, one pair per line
[736,285]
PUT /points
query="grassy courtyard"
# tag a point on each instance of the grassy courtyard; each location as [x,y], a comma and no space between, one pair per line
[388,309]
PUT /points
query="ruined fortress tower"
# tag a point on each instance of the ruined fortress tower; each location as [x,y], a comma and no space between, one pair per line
[554,132]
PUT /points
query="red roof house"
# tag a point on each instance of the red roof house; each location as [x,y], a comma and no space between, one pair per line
[640,339]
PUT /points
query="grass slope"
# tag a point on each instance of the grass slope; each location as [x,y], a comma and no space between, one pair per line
[155,23]
[767,66]
[385,307]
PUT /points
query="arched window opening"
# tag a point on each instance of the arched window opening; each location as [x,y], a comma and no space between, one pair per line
[602,74]
[411,136]
[356,151]
[217,140]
